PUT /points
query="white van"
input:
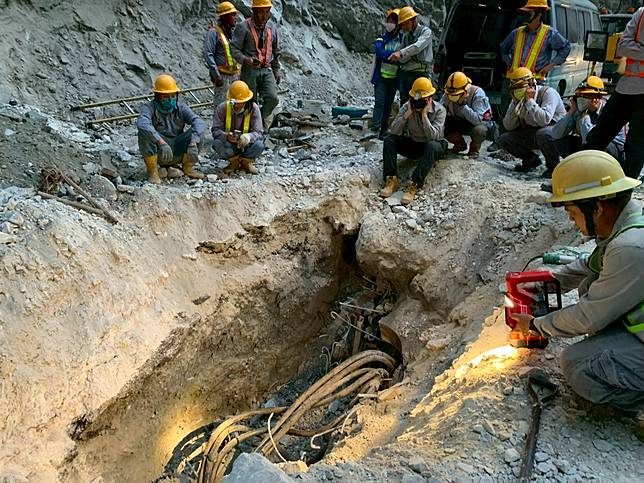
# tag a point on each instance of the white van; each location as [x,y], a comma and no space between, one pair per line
[474,30]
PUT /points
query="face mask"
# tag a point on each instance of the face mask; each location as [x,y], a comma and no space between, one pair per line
[168,105]
[519,93]
[582,103]
[454,98]
[390,26]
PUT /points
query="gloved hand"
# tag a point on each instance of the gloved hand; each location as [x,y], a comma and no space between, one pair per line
[193,154]
[165,154]
[524,323]
[244,140]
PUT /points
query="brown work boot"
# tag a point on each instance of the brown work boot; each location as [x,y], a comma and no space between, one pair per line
[152,168]
[458,141]
[188,169]
[408,197]
[639,426]
[391,186]
[247,165]
[475,148]
[233,165]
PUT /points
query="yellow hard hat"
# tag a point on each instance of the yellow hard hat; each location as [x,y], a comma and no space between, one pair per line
[520,76]
[262,4]
[406,13]
[421,88]
[239,92]
[535,4]
[226,8]
[395,11]
[457,83]
[592,85]
[165,84]
[589,174]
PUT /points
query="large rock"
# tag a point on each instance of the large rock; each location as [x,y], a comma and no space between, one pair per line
[254,468]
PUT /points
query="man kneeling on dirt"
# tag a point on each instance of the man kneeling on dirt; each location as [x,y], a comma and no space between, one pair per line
[532,109]
[608,366]
[468,112]
[162,140]
[416,133]
[237,130]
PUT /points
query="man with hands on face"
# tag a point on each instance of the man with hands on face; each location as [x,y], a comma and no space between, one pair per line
[607,367]
[532,110]
[570,132]
[416,133]
[468,112]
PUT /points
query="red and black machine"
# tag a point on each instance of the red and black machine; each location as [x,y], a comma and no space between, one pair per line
[530,293]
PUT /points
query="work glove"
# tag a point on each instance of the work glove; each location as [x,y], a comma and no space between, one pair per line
[525,324]
[193,154]
[244,140]
[165,154]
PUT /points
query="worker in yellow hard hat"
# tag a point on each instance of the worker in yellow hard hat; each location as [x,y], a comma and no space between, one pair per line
[533,109]
[468,113]
[256,47]
[385,73]
[416,133]
[607,367]
[571,131]
[162,139]
[237,131]
[626,103]
[222,67]
[415,55]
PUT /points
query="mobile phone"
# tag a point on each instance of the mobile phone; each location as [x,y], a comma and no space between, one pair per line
[237,133]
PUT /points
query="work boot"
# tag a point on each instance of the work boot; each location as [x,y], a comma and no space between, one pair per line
[153,170]
[408,197]
[639,426]
[174,173]
[188,169]
[456,138]
[247,165]
[528,165]
[475,149]
[494,147]
[391,186]
[163,173]
[233,165]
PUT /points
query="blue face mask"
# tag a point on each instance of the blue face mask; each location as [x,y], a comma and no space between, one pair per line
[167,105]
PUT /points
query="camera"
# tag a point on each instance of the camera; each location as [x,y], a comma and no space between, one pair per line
[418,104]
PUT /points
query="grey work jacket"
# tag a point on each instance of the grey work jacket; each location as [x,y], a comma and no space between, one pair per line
[475,110]
[421,128]
[243,44]
[256,129]
[417,53]
[153,123]
[544,109]
[603,298]
[630,48]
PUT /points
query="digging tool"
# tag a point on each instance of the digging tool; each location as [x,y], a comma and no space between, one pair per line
[542,391]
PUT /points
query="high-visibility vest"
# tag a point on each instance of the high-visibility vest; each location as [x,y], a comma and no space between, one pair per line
[231,67]
[633,319]
[635,68]
[535,49]
[264,55]
[229,119]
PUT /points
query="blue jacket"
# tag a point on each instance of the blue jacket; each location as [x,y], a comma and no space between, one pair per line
[385,45]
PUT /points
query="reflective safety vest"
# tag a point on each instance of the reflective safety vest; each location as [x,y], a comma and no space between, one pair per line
[535,49]
[633,319]
[389,70]
[229,119]
[635,68]
[263,55]
[231,67]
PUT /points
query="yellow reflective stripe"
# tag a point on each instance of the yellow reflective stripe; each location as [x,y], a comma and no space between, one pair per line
[230,67]
[633,329]
[536,48]
[518,48]
[247,121]
[229,119]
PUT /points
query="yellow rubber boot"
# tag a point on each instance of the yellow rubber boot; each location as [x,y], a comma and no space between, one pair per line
[247,165]
[408,197]
[152,168]
[233,165]
[188,168]
[391,186]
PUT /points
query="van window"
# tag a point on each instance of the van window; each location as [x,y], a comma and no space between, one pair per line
[572,26]
[586,23]
[597,25]
[561,20]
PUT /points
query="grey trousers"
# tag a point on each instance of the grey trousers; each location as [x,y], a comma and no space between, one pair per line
[262,83]
[554,149]
[521,143]
[221,92]
[179,145]
[226,150]
[607,368]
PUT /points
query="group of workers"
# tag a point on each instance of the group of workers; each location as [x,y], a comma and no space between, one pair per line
[595,181]
[243,64]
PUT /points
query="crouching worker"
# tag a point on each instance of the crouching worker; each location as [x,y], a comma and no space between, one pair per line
[607,367]
[237,131]
[416,133]
[162,139]
[468,112]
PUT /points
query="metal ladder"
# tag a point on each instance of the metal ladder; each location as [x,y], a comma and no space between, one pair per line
[125,105]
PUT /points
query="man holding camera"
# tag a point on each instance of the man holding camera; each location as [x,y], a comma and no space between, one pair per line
[237,131]
[417,133]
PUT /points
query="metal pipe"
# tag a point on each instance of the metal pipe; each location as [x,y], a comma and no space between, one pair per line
[128,99]
[132,116]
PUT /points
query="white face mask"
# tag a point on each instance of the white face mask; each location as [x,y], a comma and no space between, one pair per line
[583,103]
[390,26]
